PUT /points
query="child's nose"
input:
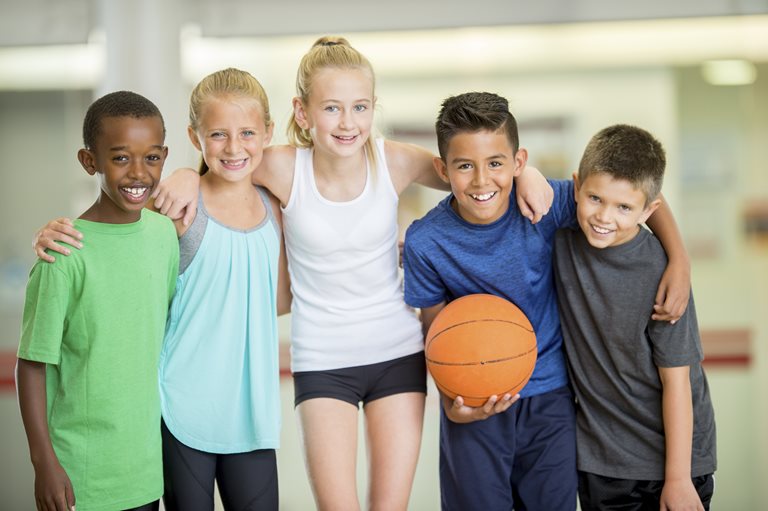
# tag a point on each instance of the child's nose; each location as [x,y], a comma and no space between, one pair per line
[233,145]
[137,169]
[602,214]
[481,176]
[346,119]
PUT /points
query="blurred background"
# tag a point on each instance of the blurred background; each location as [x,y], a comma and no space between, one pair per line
[693,72]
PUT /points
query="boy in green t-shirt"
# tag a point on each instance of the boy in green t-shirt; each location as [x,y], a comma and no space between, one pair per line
[90,340]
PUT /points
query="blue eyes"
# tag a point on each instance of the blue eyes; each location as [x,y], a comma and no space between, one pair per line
[356,108]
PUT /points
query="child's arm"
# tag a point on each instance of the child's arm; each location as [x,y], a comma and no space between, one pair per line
[534,194]
[170,200]
[176,196]
[53,489]
[677,409]
[409,163]
[58,230]
[284,296]
[675,285]
[454,408]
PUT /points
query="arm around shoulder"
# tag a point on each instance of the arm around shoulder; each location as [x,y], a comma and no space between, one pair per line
[675,285]
[409,163]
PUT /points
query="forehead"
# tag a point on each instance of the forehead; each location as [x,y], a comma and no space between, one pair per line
[342,83]
[231,107]
[618,188]
[479,145]
[130,131]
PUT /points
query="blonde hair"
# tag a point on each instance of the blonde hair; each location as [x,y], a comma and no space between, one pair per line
[228,82]
[334,52]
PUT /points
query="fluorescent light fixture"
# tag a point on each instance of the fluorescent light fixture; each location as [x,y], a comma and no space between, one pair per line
[729,72]
[60,67]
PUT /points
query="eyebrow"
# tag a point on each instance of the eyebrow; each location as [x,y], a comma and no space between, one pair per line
[498,156]
[125,147]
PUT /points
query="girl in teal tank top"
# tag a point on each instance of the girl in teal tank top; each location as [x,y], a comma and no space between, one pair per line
[219,368]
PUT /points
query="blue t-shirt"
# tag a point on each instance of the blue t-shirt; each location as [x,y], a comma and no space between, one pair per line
[446,257]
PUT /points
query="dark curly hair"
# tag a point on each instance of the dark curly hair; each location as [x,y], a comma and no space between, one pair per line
[116,104]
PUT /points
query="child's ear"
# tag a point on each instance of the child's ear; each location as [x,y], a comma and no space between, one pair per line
[649,209]
[521,160]
[576,185]
[299,115]
[87,160]
[441,169]
[268,133]
[192,134]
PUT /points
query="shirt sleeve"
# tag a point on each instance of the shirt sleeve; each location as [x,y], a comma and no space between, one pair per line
[679,344]
[564,204]
[45,308]
[423,285]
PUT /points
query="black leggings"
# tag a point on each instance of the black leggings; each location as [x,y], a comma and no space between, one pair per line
[247,481]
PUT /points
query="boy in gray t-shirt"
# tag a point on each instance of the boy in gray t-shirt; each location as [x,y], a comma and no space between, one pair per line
[645,424]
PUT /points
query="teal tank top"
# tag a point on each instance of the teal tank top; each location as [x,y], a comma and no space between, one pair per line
[219,367]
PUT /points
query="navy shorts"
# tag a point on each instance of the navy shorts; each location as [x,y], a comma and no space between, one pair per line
[363,383]
[524,458]
[604,493]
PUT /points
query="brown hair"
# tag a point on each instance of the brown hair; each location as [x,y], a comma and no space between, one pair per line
[626,152]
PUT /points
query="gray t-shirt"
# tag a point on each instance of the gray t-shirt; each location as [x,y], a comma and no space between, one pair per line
[614,349]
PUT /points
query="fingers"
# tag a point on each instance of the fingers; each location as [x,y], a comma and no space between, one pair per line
[50,237]
[70,497]
[525,210]
[189,214]
[666,313]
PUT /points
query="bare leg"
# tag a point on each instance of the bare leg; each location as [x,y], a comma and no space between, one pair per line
[393,427]
[328,430]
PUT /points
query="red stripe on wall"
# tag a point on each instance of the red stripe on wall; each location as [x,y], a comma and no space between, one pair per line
[722,348]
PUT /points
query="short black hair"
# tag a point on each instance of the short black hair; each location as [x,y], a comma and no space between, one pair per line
[626,152]
[116,104]
[472,112]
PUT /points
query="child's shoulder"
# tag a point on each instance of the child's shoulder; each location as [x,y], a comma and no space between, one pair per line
[433,220]
[159,222]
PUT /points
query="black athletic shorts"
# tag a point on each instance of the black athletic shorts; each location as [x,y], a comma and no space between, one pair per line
[363,383]
[604,493]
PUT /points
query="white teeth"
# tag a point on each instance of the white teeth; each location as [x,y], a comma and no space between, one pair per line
[137,191]
[600,230]
[483,197]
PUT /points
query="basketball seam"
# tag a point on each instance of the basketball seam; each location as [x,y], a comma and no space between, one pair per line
[524,327]
[439,363]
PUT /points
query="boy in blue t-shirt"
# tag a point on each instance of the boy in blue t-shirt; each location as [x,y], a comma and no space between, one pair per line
[644,419]
[505,453]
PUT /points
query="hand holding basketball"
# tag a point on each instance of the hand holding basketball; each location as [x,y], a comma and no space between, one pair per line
[460,413]
[480,346]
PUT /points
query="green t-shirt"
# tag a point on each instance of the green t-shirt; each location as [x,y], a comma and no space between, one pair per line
[97,318]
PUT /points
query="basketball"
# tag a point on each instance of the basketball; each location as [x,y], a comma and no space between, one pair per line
[478,346]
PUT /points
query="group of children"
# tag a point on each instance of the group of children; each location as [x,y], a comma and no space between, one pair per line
[117,416]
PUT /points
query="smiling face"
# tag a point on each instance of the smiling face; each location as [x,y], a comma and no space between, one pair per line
[128,158]
[339,110]
[610,210]
[232,135]
[481,167]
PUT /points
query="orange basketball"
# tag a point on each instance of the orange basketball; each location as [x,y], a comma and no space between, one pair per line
[478,346]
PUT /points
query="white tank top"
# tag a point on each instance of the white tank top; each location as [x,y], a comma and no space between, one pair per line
[348,308]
